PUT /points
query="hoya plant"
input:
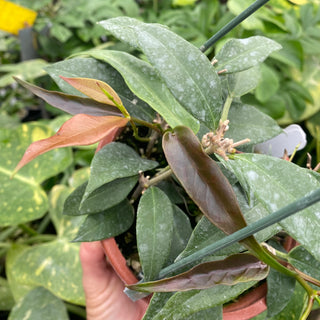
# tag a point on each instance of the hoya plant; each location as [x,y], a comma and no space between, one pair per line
[175,165]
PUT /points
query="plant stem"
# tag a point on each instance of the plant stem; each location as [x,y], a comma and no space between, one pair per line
[7,233]
[146,124]
[39,238]
[28,230]
[164,174]
[245,232]
[233,23]
[44,224]
[226,108]
[79,311]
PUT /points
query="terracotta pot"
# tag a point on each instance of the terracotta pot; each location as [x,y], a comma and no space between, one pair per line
[245,308]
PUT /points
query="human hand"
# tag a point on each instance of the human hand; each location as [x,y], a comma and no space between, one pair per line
[105,299]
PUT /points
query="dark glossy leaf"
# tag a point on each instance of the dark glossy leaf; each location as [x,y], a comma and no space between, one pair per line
[241,54]
[115,160]
[71,103]
[203,180]
[92,68]
[107,224]
[232,270]
[80,130]
[154,231]
[39,304]
[103,198]
[144,81]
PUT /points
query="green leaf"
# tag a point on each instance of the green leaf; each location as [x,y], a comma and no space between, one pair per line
[115,160]
[280,290]
[6,297]
[158,300]
[39,304]
[181,233]
[268,85]
[186,304]
[241,54]
[206,233]
[242,82]
[143,80]
[21,198]
[71,103]
[248,122]
[27,70]
[54,265]
[295,307]
[91,68]
[232,270]
[103,198]
[276,183]
[301,259]
[154,231]
[106,224]
[186,71]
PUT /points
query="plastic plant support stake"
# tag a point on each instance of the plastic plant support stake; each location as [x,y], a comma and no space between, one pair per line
[292,137]
[14,17]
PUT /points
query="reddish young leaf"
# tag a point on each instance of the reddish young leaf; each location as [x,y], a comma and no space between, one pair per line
[94,89]
[234,269]
[80,130]
[70,103]
[203,180]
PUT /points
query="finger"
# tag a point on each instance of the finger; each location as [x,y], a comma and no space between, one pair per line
[103,288]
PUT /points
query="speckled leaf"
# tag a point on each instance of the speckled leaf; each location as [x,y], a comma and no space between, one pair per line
[6,298]
[186,71]
[234,269]
[241,54]
[91,68]
[206,233]
[39,304]
[158,300]
[295,307]
[54,265]
[115,160]
[107,224]
[203,181]
[93,88]
[100,199]
[181,233]
[186,304]
[143,80]
[154,231]
[71,103]
[248,122]
[280,290]
[242,82]
[80,130]
[21,198]
[276,183]
[301,259]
